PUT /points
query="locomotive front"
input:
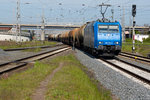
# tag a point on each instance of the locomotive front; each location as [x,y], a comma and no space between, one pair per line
[108,38]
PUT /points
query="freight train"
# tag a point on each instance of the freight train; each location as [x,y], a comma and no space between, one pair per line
[101,38]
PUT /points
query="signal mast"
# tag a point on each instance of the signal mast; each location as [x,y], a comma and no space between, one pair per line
[134,22]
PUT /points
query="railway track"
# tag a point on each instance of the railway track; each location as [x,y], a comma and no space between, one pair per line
[19,49]
[138,72]
[12,65]
[130,69]
[133,56]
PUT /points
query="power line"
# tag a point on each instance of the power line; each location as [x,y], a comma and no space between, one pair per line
[124,3]
[106,1]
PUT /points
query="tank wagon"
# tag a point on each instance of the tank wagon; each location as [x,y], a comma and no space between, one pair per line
[53,37]
[72,39]
[101,38]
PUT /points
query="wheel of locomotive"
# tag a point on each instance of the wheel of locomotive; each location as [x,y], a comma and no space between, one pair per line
[94,53]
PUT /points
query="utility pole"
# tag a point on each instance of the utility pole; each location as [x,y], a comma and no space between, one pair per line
[133,35]
[43,29]
[130,24]
[112,11]
[103,13]
[123,25]
[18,22]
[43,26]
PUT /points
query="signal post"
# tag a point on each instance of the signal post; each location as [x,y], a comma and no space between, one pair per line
[134,22]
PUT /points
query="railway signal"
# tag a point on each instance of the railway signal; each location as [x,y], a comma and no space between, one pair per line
[133,10]
[134,22]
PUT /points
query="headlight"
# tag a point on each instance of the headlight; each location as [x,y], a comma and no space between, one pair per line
[116,42]
[100,42]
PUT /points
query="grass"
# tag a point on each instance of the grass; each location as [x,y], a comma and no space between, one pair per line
[71,83]
[21,86]
[7,44]
[33,50]
[140,48]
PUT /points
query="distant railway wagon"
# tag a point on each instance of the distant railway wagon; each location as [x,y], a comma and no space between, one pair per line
[101,38]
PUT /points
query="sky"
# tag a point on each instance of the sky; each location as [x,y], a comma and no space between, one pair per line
[73,11]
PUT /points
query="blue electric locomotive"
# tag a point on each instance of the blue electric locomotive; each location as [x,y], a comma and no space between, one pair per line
[103,38]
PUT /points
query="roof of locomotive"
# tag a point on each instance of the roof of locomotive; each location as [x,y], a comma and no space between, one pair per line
[96,23]
[106,22]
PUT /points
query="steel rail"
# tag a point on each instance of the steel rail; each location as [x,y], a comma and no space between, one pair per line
[28,57]
[141,58]
[25,48]
[135,66]
[135,55]
[12,65]
[127,71]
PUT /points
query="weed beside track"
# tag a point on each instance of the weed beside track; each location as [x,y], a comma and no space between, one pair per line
[11,44]
[69,83]
[72,83]
[21,85]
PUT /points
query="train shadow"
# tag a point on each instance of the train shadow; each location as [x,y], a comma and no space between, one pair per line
[107,57]
[88,53]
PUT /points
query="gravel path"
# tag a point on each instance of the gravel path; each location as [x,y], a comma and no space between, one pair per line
[40,92]
[121,86]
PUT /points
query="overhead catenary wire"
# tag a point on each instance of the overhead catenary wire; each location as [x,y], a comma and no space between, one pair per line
[75,13]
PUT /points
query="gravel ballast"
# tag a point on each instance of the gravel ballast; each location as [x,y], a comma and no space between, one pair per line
[121,86]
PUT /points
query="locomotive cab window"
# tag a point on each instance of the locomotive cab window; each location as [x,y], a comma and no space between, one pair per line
[103,29]
[108,29]
[113,29]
